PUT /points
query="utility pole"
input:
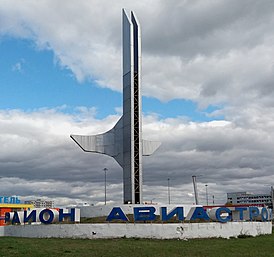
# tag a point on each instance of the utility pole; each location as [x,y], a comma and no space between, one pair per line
[195,189]
[168,190]
[105,170]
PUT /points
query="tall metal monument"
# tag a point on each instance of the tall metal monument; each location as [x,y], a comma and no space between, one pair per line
[124,141]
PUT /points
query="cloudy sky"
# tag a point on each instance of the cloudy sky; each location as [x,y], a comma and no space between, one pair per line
[208,89]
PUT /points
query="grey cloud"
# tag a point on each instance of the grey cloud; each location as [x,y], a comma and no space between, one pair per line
[58,169]
[207,27]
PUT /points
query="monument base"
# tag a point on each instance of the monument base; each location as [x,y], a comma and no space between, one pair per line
[181,231]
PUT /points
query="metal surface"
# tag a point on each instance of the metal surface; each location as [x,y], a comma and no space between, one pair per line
[124,142]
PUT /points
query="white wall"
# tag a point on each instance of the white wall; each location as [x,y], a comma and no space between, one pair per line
[159,231]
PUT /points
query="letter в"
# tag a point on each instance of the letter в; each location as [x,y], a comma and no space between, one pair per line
[144,213]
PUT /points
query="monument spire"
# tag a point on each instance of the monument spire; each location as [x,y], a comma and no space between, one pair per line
[124,141]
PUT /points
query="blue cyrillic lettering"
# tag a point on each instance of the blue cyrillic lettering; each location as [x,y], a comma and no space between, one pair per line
[7,217]
[270,216]
[253,212]
[6,199]
[264,214]
[63,215]
[15,219]
[221,210]
[199,213]
[49,212]
[144,213]
[178,211]
[31,217]
[241,211]
[17,200]
[117,214]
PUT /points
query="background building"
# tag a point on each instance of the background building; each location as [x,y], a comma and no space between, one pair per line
[247,198]
[39,203]
[11,204]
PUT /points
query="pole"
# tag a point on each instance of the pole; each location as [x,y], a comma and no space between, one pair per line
[272,198]
[105,170]
[168,190]
[195,190]
[206,195]
[213,202]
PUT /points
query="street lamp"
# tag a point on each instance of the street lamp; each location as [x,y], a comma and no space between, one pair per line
[168,190]
[105,170]
[272,197]
[206,195]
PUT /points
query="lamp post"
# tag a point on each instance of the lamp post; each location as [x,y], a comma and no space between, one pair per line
[206,195]
[105,170]
[168,190]
[272,198]
[213,201]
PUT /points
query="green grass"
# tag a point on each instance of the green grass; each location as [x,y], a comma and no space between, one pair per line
[249,246]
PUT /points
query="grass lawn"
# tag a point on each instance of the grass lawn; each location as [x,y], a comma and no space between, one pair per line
[249,246]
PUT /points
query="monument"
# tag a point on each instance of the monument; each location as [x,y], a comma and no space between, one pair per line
[124,141]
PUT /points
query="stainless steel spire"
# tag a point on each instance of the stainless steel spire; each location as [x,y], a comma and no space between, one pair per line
[124,141]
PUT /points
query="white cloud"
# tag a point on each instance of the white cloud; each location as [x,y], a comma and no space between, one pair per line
[212,52]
